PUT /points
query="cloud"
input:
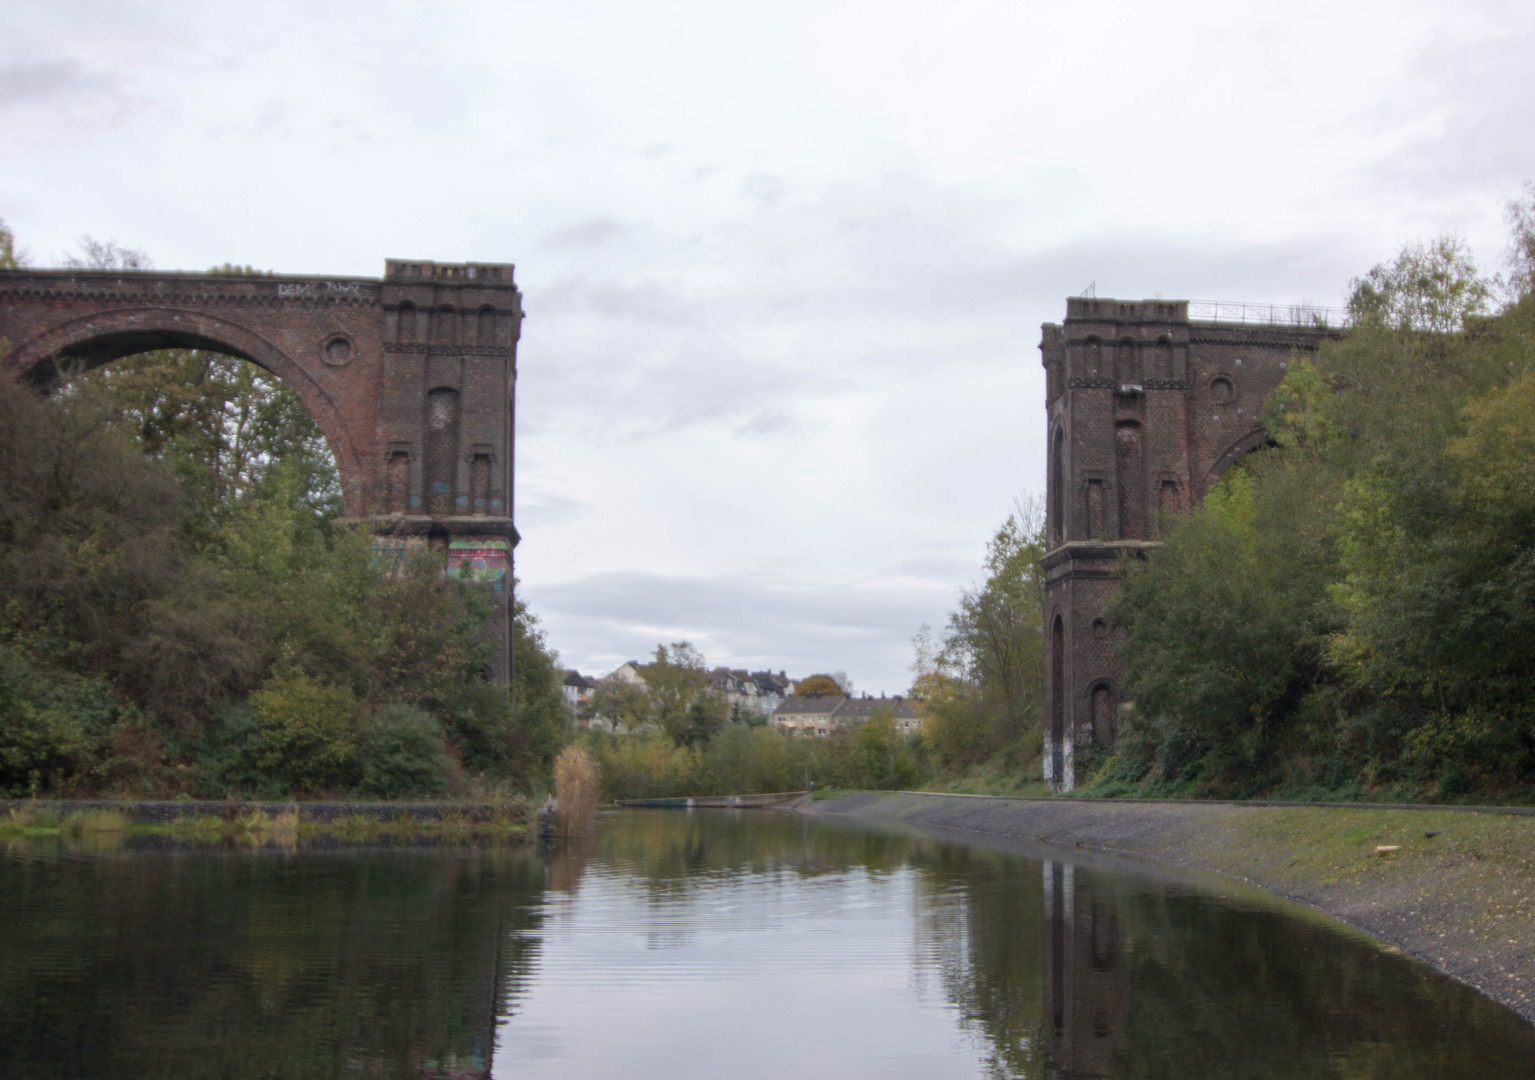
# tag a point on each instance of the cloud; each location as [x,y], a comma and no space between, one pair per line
[592,232]
[58,83]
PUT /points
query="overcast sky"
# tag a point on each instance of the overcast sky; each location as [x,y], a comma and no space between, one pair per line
[785,263]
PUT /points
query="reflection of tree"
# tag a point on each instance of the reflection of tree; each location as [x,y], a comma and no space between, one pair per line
[300,965]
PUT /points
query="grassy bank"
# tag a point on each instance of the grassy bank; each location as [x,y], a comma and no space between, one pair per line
[1457,891]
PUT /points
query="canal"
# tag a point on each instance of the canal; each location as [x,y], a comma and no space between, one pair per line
[699,944]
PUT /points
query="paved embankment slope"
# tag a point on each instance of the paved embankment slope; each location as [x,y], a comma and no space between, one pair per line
[1463,900]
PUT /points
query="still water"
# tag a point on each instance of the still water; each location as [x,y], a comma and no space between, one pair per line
[706,944]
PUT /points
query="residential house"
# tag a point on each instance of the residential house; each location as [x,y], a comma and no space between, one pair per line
[808,715]
[903,710]
[771,689]
[820,714]
[577,688]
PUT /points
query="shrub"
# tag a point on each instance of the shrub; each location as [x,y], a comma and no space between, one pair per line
[403,753]
[307,732]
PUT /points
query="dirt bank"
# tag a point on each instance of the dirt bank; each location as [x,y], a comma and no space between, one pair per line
[1462,899]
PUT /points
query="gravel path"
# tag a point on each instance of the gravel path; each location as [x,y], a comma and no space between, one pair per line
[1459,892]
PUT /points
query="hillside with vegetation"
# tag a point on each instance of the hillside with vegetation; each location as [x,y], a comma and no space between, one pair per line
[1351,613]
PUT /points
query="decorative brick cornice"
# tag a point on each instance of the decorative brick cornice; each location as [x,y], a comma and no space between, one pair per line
[1090,384]
[413,349]
[147,298]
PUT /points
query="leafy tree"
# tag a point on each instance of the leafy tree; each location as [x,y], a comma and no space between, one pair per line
[621,703]
[677,682]
[818,686]
[10,258]
[981,683]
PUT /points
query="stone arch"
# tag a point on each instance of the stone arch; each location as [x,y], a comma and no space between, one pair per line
[100,338]
[1256,439]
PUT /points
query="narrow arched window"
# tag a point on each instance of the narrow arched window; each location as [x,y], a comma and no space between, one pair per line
[1127,365]
[1129,481]
[405,330]
[1057,489]
[441,450]
[1057,685]
[398,482]
[1102,706]
[1162,362]
[486,334]
[444,326]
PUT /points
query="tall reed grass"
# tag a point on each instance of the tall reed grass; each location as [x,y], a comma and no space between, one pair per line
[577,791]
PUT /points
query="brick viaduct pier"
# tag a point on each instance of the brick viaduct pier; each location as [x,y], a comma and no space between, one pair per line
[1147,408]
[411,378]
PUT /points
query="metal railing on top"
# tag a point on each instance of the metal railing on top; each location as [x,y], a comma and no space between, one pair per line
[1228,311]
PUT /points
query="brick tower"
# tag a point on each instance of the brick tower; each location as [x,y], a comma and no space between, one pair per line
[1146,410]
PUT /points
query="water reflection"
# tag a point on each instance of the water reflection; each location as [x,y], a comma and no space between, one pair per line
[677,945]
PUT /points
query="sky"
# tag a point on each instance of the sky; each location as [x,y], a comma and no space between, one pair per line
[784,263]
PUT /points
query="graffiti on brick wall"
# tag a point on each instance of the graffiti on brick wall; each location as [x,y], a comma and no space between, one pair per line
[392,552]
[484,561]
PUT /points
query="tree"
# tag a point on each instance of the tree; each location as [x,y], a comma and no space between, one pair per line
[623,704]
[982,683]
[818,686]
[678,684]
[10,257]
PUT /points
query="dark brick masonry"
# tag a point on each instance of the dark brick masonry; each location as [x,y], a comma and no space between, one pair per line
[411,377]
[1146,411]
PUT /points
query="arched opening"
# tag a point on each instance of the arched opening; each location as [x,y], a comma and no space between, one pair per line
[1057,684]
[1057,488]
[1162,361]
[243,412]
[405,324]
[485,335]
[1092,357]
[1127,365]
[444,327]
[441,450]
[1257,439]
[1129,481]
[1101,714]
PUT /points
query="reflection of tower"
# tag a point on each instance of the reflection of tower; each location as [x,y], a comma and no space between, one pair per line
[1086,984]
